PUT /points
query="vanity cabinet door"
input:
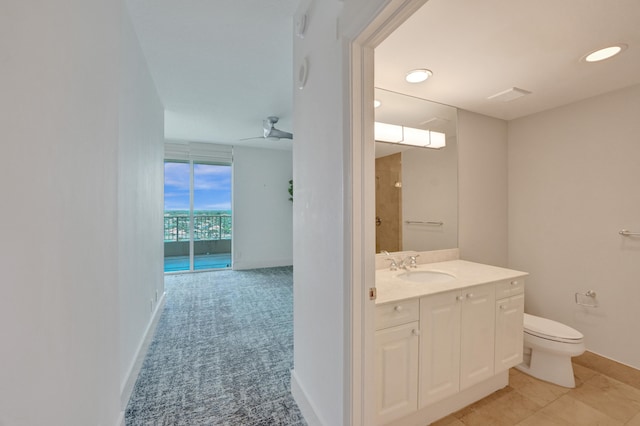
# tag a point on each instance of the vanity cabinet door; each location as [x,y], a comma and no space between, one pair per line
[439,347]
[477,340]
[396,371]
[509,332]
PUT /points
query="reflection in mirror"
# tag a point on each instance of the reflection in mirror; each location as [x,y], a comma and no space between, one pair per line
[416,187]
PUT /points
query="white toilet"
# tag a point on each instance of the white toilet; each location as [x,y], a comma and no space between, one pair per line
[548,348]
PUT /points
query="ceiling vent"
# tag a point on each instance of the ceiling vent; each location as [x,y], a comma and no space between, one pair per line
[509,94]
[435,123]
[436,120]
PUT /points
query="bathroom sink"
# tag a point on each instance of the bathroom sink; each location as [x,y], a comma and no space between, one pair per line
[426,277]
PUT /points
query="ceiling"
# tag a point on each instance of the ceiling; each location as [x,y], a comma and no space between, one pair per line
[223,66]
[476,49]
[220,66]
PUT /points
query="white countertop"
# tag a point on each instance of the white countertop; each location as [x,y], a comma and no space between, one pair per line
[391,289]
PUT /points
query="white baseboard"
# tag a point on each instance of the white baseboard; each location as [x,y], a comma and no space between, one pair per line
[304,403]
[141,352]
[120,421]
[241,265]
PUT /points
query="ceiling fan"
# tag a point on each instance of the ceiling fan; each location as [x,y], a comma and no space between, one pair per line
[269,130]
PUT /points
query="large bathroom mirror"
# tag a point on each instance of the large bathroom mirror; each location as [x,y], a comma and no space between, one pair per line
[416,186]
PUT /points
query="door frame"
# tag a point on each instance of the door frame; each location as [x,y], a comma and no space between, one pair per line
[370,28]
[192,162]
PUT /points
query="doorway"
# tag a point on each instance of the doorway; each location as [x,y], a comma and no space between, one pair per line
[197,216]
[374,25]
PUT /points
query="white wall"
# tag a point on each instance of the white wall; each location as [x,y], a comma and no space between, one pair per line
[140,209]
[262,212]
[60,357]
[482,190]
[322,174]
[318,218]
[59,304]
[429,193]
[573,175]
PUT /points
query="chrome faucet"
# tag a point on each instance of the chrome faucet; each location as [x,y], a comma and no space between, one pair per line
[394,262]
[409,262]
[394,265]
[406,263]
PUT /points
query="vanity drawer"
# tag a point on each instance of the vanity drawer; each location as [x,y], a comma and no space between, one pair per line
[396,313]
[508,288]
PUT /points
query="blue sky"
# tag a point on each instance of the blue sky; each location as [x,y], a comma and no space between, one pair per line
[212,187]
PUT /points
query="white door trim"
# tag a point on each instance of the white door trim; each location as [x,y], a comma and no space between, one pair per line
[361,40]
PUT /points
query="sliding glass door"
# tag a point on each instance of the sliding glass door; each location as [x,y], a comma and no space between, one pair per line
[197,216]
[177,223]
[211,216]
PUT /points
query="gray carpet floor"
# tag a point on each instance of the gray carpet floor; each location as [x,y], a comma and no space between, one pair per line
[221,354]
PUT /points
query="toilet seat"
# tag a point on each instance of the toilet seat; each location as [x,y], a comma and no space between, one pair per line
[551,330]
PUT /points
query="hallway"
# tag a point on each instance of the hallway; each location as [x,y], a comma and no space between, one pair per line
[222,352]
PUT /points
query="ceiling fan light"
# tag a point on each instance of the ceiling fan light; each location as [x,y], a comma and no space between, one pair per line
[418,75]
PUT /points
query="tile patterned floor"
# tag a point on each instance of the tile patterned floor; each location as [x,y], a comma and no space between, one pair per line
[606,393]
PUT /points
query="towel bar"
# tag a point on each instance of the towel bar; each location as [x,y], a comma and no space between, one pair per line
[419,222]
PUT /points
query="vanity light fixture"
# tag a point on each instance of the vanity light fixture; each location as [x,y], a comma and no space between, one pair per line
[388,132]
[605,53]
[438,139]
[393,133]
[418,75]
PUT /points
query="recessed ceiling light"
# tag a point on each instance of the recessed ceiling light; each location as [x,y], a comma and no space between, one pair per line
[606,53]
[418,76]
[376,103]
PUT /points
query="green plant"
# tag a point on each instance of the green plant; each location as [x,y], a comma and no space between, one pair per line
[291,190]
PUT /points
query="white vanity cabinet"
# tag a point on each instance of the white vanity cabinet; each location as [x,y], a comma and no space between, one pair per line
[477,336]
[509,316]
[457,342]
[442,346]
[396,367]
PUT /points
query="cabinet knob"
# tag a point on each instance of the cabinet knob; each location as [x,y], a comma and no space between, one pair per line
[460,298]
[514,282]
[415,332]
[398,308]
[503,307]
[469,295]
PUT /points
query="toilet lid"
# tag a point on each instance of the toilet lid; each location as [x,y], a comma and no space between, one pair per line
[549,329]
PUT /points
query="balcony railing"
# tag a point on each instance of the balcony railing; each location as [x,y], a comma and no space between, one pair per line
[205,228]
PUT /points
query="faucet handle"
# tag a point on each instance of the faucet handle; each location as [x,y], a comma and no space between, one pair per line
[412,261]
[394,265]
